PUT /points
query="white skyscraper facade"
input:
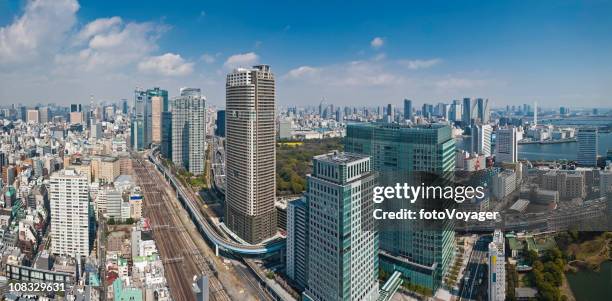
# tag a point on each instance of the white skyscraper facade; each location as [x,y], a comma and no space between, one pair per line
[343,239]
[506,145]
[69,199]
[251,153]
[481,139]
[587,147]
[497,268]
[189,130]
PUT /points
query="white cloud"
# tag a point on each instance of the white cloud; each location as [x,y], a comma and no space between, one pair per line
[301,71]
[241,60]
[380,57]
[168,64]
[40,30]
[46,55]
[208,58]
[371,81]
[459,83]
[109,44]
[351,74]
[420,64]
[377,42]
[98,26]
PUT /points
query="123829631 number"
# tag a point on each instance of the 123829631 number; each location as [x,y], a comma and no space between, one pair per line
[35,287]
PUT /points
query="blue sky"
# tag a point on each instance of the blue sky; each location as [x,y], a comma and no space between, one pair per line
[359,52]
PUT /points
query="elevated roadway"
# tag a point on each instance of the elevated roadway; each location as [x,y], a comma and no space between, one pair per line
[204,226]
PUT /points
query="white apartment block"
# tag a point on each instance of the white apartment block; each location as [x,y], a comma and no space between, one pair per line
[481,139]
[69,194]
[189,130]
[503,184]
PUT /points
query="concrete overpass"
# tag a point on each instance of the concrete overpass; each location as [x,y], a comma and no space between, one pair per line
[204,226]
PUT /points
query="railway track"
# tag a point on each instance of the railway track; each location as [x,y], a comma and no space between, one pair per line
[180,255]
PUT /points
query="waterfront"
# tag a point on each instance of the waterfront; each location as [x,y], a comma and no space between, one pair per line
[587,284]
[560,151]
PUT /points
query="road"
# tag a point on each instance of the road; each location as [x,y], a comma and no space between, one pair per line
[475,270]
[180,255]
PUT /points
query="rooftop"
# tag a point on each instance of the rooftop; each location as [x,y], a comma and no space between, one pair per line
[337,157]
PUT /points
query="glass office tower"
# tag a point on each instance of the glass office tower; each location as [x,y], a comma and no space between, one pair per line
[342,235]
[402,153]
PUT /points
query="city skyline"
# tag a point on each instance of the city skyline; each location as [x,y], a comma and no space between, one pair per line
[319,151]
[356,59]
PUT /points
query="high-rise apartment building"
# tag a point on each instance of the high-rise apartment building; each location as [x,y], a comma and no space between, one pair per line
[506,143]
[156,122]
[251,154]
[297,241]
[481,139]
[587,146]
[69,199]
[189,130]
[159,97]
[407,109]
[421,254]
[343,239]
[497,268]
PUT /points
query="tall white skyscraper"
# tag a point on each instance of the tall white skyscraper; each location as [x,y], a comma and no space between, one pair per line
[69,193]
[157,109]
[251,153]
[506,145]
[481,139]
[497,268]
[587,146]
[189,130]
[343,239]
